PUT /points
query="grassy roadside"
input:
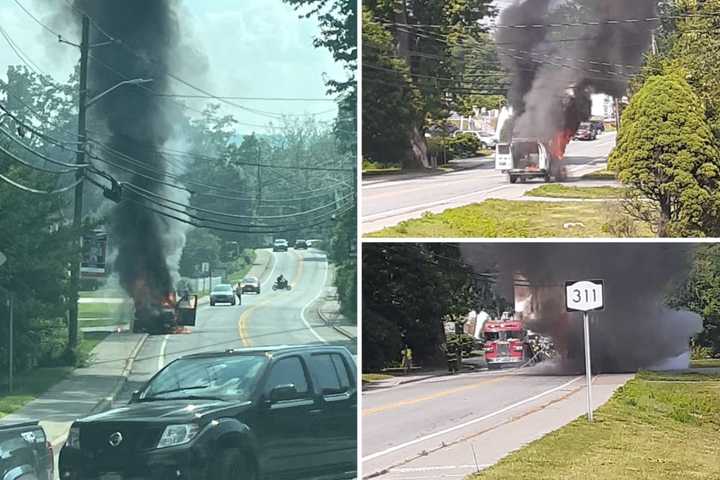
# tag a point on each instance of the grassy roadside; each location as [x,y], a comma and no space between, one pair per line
[563,191]
[241,266]
[506,218]
[659,426]
[31,384]
[705,363]
[375,377]
[600,175]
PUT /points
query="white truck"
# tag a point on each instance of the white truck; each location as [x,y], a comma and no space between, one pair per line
[525,158]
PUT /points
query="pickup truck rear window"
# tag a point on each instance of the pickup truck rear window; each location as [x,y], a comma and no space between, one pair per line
[331,372]
[289,371]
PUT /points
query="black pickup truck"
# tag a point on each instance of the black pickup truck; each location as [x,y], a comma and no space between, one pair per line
[25,453]
[261,413]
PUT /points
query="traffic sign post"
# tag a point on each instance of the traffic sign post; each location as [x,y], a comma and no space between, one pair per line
[585,296]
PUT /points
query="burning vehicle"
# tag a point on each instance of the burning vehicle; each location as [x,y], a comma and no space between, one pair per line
[526,158]
[169,315]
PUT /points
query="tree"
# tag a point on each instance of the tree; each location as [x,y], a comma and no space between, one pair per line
[408,290]
[666,153]
[701,294]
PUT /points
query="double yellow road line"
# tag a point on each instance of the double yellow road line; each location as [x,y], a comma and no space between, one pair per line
[245,316]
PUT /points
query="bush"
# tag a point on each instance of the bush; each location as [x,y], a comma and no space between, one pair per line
[346,283]
[463,145]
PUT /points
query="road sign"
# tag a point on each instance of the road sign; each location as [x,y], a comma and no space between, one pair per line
[3,258]
[94,254]
[205,267]
[450,328]
[584,296]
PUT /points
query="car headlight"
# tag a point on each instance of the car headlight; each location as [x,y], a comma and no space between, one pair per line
[178,435]
[73,439]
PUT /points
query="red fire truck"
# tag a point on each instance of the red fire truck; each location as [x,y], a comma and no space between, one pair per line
[506,342]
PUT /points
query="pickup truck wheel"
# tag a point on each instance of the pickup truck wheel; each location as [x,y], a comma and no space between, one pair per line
[513,179]
[234,465]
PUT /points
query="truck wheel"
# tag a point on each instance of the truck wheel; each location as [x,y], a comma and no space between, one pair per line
[212,304]
[513,179]
[547,178]
[234,465]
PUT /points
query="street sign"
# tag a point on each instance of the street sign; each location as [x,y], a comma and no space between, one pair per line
[3,259]
[584,296]
[450,328]
[205,267]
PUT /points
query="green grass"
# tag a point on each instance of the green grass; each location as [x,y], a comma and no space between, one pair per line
[563,191]
[240,268]
[27,386]
[505,218]
[375,377]
[103,314]
[600,175]
[705,363]
[658,426]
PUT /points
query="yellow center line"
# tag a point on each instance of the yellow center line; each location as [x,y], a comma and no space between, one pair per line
[245,316]
[444,393]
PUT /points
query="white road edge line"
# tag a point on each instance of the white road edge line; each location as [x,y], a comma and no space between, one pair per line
[468,423]
[307,305]
[163,349]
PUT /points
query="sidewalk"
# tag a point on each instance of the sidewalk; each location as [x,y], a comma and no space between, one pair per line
[328,309]
[86,390]
[469,366]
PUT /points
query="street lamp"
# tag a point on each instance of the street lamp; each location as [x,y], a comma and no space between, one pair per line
[134,81]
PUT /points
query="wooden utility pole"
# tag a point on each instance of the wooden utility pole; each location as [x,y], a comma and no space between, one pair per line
[79,160]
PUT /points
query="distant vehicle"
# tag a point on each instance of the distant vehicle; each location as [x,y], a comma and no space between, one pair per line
[598,125]
[314,243]
[222,293]
[441,131]
[280,245]
[261,413]
[300,245]
[250,284]
[586,132]
[487,140]
[25,452]
[281,285]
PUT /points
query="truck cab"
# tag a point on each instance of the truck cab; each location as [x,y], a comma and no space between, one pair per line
[506,343]
[25,452]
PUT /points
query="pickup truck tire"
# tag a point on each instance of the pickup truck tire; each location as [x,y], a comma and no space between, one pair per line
[233,464]
[513,179]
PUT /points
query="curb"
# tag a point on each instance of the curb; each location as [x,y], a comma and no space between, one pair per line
[268,266]
[337,328]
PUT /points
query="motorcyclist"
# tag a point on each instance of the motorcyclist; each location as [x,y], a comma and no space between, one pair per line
[281,281]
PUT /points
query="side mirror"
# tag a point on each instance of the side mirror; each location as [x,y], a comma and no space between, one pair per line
[283,392]
[135,396]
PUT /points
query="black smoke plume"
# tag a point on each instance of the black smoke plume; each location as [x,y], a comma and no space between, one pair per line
[636,329]
[556,69]
[144,36]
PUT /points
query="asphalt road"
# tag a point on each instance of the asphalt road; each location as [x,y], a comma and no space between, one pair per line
[389,200]
[448,427]
[271,318]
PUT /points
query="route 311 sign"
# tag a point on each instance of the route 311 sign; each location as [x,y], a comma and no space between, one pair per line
[584,296]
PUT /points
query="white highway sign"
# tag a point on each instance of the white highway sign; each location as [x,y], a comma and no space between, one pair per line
[584,296]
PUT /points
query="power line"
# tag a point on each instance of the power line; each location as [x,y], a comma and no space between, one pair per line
[36,167]
[39,192]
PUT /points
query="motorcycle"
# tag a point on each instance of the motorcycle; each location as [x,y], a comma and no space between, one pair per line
[281,286]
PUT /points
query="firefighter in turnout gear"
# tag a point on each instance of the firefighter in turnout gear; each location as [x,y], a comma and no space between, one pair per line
[406,359]
[453,354]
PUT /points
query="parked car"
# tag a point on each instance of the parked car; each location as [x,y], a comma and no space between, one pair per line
[260,413]
[222,293]
[585,132]
[250,284]
[300,245]
[25,452]
[280,245]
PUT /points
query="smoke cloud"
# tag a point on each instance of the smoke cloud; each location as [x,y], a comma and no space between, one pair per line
[636,329]
[556,69]
[148,245]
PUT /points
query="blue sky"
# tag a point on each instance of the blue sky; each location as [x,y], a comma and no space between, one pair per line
[254,48]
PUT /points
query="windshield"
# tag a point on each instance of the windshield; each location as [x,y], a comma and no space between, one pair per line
[222,288]
[225,378]
[584,125]
[250,280]
[503,149]
[280,242]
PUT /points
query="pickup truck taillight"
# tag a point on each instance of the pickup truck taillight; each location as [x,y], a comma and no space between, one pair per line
[51,456]
[490,347]
[518,348]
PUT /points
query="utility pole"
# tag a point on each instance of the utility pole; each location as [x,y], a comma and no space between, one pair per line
[617,114]
[11,306]
[654,44]
[80,160]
